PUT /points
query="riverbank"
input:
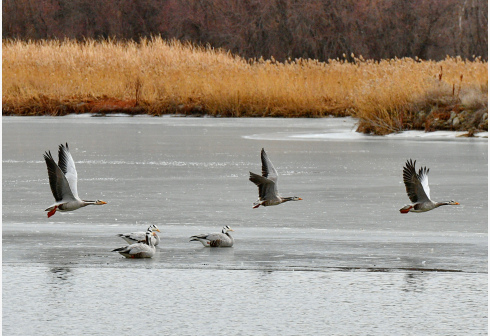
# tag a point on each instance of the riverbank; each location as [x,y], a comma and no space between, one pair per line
[158,77]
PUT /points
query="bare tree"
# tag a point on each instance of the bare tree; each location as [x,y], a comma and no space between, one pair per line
[319,29]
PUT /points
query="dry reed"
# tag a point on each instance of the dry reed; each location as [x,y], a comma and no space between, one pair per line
[156,76]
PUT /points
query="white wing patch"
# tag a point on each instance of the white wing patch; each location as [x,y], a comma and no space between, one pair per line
[68,166]
[268,169]
[424,180]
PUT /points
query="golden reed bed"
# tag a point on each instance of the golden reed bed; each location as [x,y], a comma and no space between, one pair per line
[157,77]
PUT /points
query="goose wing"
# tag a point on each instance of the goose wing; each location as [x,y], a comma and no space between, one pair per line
[423,177]
[139,248]
[212,237]
[207,236]
[268,170]
[201,236]
[134,249]
[57,180]
[137,237]
[67,165]
[417,185]
[267,187]
[133,237]
[215,236]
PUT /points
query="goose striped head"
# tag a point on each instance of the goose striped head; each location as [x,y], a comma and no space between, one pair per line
[226,229]
[99,202]
[452,203]
[148,235]
[153,227]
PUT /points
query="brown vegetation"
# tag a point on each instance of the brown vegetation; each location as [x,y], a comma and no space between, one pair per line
[155,76]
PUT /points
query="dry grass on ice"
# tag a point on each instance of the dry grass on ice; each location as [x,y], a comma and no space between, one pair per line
[156,76]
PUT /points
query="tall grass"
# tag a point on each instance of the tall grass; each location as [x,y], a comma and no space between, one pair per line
[157,76]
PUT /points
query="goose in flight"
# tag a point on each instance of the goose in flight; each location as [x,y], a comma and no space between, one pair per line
[223,239]
[138,237]
[267,183]
[63,182]
[145,249]
[418,190]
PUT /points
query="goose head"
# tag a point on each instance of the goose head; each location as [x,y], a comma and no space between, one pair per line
[153,227]
[226,229]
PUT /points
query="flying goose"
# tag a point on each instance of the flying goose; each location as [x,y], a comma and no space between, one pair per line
[223,239]
[139,250]
[267,183]
[138,237]
[63,182]
[418,190]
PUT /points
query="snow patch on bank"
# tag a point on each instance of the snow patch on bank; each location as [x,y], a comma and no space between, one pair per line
[344,129]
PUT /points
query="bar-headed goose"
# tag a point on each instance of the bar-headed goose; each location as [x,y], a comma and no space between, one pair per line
[63,182]
[418,190]
[138,237]
[139,250]
[267,183]
[223,239]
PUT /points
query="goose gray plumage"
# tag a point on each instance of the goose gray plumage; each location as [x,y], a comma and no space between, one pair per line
[138,237]
[63,181]
[145,249]
[417,186]
[223,239]
[267,183]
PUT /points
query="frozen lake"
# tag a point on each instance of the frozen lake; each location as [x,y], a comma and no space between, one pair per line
[343,261]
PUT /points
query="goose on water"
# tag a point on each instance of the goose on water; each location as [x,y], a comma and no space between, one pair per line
[63,182]
[267,183]
[145,249]
[138,237]
[223,239]
[418,190]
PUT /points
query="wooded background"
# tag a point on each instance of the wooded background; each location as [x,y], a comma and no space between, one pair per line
[317,29]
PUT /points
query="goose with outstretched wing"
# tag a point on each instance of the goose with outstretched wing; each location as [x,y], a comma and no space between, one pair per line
[63,181]
[417,186]
[267,184]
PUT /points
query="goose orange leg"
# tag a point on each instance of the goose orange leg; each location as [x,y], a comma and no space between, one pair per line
[406,209]
[52,212]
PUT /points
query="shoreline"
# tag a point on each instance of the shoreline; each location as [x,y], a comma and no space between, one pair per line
[467,121]
[353,133]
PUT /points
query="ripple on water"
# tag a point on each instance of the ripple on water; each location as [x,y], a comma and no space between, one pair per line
[108,301]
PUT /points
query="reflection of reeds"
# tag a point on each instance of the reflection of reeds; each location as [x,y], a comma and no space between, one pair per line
[157,76]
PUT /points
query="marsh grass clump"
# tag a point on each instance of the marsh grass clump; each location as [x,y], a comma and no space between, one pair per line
[156,77]
[404,94]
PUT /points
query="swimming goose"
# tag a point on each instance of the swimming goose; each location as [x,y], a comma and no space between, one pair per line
[145,249]
[223,239]
[267,183]
[63,182]
[138,237]
[418,190]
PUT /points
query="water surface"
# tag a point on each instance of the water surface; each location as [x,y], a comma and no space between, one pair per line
[343,260]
